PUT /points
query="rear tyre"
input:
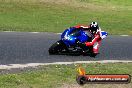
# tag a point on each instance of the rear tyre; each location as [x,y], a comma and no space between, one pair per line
[57,47]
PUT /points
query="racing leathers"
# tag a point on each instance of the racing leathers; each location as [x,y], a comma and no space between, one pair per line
[95,41]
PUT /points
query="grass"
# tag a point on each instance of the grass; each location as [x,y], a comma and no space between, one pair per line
[114,16]
[63,76]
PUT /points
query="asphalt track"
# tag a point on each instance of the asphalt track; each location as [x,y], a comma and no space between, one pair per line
[26,47]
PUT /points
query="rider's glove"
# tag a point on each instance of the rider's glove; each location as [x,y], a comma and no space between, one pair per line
[88,44]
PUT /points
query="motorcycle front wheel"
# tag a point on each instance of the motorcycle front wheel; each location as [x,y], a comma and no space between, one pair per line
[57,47]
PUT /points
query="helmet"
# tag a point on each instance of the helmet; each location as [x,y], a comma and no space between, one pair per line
[94,27]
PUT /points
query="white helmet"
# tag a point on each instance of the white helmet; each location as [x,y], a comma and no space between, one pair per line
[93,27]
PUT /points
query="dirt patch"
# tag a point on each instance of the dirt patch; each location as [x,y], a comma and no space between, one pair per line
[70,3]
[73,3]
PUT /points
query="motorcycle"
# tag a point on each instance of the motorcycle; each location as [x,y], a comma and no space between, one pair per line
[69,42]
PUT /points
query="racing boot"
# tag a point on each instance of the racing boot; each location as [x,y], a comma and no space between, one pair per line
[91,52]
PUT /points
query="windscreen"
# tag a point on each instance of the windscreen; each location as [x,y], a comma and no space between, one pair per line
[75,32]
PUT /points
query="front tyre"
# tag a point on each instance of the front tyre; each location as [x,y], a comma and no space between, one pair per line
[57,47]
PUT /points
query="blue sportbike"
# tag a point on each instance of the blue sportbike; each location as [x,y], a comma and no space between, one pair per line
[68,43]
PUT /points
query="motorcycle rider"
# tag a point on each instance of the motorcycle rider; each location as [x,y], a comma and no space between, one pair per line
[96,38]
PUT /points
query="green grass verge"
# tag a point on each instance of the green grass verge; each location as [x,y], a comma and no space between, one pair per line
[54,76]
[114,16]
